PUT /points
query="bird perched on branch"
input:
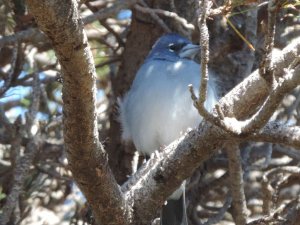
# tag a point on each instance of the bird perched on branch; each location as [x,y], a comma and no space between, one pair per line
[158,107]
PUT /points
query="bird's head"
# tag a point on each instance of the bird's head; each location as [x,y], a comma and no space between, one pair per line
[173,47]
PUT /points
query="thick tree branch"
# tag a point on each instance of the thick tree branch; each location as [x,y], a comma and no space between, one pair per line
[261,117]
[60,21]
[236,183]
[279,134]
[254,95]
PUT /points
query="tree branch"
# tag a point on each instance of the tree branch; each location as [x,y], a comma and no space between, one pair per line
[279,134]
[34,35]
[265,68]
[22,163]
[60,21]
[236,183]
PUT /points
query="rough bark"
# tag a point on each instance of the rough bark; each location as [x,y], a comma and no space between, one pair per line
[88,161]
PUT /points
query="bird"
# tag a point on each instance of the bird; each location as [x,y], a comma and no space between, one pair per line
[158,107]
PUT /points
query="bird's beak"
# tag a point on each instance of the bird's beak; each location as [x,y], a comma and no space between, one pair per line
[189,51]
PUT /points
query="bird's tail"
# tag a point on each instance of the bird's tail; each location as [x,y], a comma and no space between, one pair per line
[174,212]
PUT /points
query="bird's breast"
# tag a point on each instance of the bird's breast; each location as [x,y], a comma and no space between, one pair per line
[162,104]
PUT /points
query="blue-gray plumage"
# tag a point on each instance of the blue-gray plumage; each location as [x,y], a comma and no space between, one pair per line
[158,107]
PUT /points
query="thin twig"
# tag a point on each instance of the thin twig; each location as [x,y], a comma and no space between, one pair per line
[270,193]
[205,6]
[173,6]
[270,219]
[220,214]
[34,108]
[105,25]
[13,196]
[107,62]
[290,152]
[109,11]
[266,68]
[35,35]
[22,164]
[153,14]
[166,13]
[9,76]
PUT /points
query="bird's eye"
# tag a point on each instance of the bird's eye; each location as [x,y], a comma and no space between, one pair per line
[175,47]
[172,47]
